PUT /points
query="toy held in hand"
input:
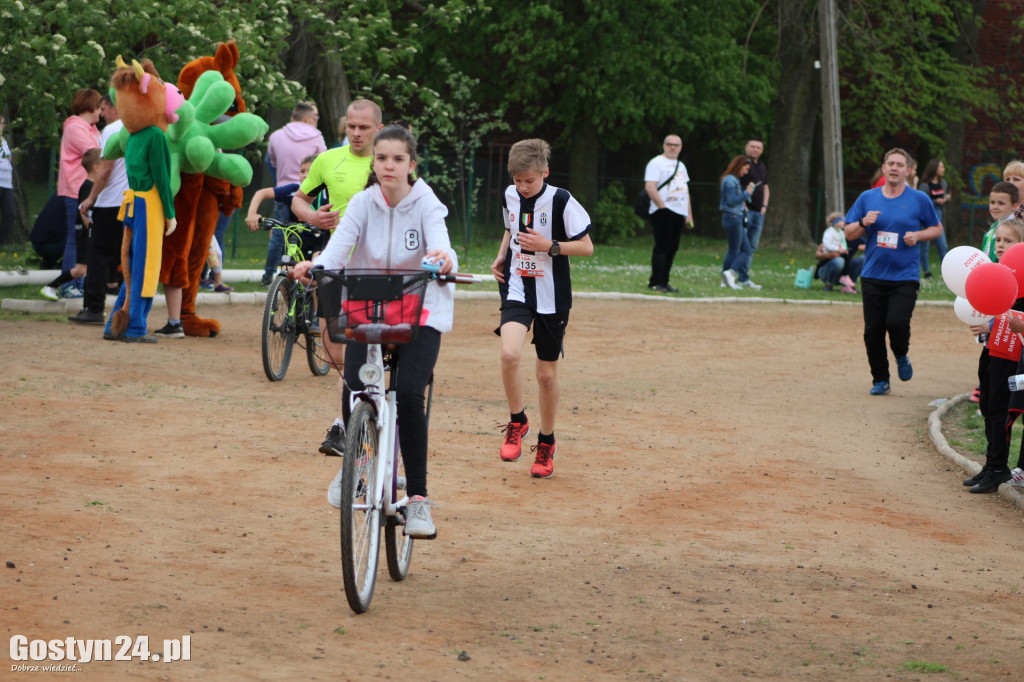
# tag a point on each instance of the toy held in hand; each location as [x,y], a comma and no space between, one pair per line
[991,288]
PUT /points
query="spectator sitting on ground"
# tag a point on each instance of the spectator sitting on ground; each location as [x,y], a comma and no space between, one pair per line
[837,263]
[49,233]
[65,285]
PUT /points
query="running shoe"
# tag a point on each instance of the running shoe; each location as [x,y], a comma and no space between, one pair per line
[334,491]
[418,523]
[544,463]
[750,285]
[223,289]
[49,292]
[976,395]
[70,290]
[730,279]
[879,388]
[171,331]
[847,282]
[267,278]
[903,368]
[512,448]
[1017,478]
[334,444]
[206,284]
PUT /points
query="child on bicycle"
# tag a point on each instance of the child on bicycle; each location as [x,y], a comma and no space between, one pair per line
[283,194]
[544,225]
[394,224]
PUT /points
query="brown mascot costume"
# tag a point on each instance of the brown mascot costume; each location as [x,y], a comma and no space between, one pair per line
[204,196]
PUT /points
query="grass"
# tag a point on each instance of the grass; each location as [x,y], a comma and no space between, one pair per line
[696,272]
[964,428]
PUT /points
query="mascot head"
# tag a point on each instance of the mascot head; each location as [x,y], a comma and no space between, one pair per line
[224,61]
[143,100]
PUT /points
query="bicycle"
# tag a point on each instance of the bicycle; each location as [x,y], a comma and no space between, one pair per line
[290,310]
[381,309]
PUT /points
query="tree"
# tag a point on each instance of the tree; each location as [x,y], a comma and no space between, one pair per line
[603,73]
[54,47]
[898,77]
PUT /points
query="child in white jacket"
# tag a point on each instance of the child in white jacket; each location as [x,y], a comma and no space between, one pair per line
[393,224]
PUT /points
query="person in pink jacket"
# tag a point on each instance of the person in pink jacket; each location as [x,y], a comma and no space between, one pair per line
[79,136]
[288,146]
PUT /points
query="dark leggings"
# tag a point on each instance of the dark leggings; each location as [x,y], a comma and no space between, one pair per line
[888,307]
[415,362]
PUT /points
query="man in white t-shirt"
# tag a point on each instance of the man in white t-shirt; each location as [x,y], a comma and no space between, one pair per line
[665,180]
[106,231]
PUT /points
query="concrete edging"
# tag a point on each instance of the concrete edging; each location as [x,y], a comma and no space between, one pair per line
[1006,491]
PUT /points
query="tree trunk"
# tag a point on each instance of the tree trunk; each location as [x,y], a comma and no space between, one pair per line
[964,51]
[787,221]
[583,158]
[323,76]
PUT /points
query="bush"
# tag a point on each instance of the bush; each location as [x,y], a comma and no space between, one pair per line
[614,220]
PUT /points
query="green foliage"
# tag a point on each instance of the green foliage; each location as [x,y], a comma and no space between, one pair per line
[898,74]
[614,221]
[51,48]
[624,68]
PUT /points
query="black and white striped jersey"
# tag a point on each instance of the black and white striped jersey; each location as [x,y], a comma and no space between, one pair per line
[537,279]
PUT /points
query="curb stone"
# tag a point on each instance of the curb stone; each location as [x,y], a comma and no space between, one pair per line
[1006,491]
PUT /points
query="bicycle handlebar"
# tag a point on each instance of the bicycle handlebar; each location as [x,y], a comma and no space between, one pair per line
[272,224]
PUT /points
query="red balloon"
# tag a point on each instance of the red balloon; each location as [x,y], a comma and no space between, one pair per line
[991,288]
[1013,258]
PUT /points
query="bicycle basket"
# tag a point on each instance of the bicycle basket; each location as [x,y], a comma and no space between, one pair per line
[372,306]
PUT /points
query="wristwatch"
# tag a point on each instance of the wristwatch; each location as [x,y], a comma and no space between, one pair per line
[555,249]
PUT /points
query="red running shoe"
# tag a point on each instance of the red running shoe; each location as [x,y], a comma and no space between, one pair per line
[976,396]
[512,448]
[544,464]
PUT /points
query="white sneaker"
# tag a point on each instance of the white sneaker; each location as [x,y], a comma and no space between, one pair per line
[730,279]
[49,292]
[334,491]
[750,285]
[418,523]
[1017,478]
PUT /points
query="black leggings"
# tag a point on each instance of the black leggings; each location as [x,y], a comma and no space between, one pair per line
[415,362]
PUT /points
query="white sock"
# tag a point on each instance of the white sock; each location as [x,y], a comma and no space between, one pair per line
[338,422]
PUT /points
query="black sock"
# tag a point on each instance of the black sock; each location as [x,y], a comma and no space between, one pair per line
[63,278]
[548,439]
[519,418]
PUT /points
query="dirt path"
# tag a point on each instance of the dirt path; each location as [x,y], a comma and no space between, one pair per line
[728,502]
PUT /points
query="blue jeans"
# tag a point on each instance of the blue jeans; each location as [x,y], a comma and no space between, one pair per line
[924,247]
[276,246]
[71,256]
[755,225]
[737,256]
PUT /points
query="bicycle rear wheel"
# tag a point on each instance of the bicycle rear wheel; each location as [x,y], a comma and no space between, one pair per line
[278,329]
[316,358]
[397,545]
[360,515]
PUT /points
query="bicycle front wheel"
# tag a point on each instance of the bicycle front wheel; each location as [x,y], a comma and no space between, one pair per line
[278,329]
[360,508]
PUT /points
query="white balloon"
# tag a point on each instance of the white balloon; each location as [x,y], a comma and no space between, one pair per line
[966,313]
[959,263]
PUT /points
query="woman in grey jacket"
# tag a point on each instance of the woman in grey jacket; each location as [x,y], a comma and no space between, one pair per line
[393,224]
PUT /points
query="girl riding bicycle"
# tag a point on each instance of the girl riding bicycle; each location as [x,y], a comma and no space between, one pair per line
[395,223]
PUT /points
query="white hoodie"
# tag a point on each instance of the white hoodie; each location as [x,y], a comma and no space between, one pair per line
[372,234]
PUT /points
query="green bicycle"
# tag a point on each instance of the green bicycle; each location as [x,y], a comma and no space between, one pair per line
[290,312]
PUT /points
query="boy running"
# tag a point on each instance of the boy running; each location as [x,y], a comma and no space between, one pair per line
[544,225]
